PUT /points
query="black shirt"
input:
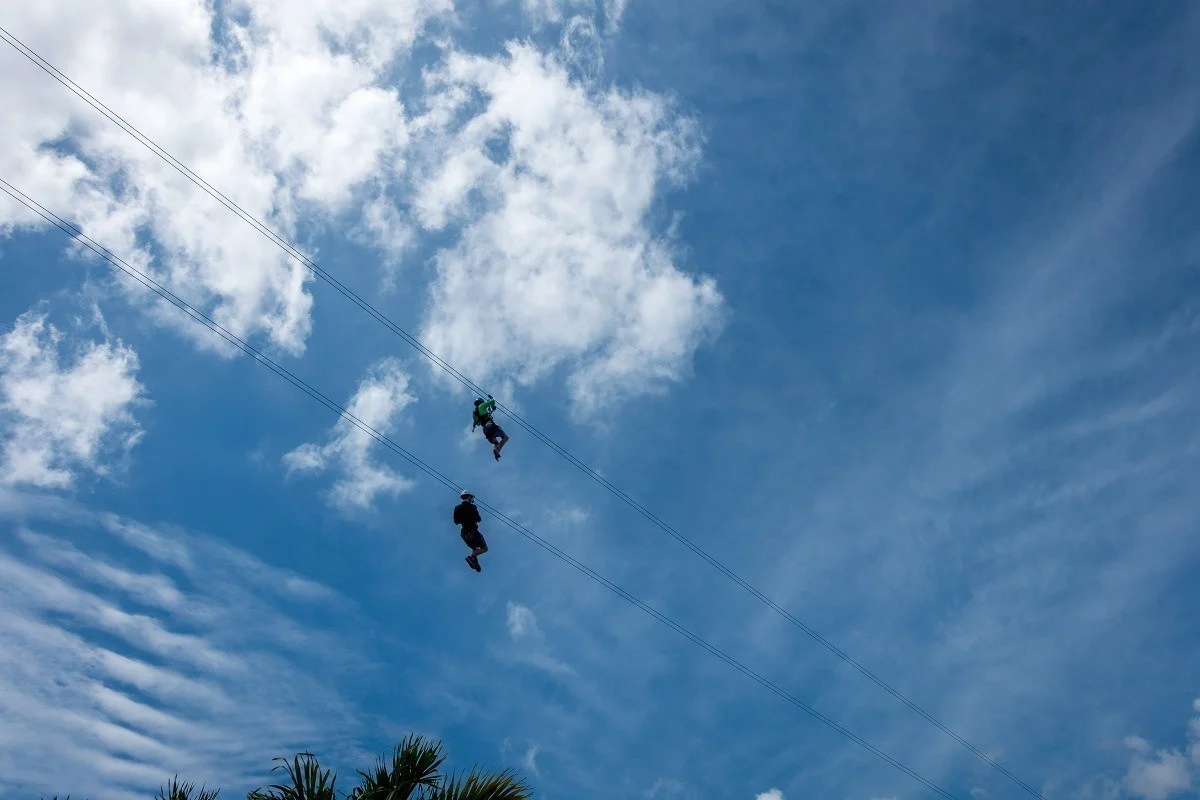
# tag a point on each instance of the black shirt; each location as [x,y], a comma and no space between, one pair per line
[467,515]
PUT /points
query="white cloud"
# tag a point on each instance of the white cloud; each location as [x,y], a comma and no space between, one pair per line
[1137,744]
[1157,775]
[613,11]
[529,644]
[529,760]
[569,516]
[522,622]
[546,189]
[380,398]
[667,788]
[556,262]
[542,12]
[1160,776]
[386,224]
[286,110]
[1194,733]
[62,415]
[770,794]
[582,48]
[117,672]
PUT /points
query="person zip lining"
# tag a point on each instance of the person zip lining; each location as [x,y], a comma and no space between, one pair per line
[482,415]
[467,515]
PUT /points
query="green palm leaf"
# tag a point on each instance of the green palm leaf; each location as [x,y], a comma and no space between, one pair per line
[306,781]
[505,785]
[413,768]
[174,790]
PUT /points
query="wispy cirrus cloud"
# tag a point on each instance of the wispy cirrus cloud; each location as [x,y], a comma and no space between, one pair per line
[548,13]
[129,656]
[529,645]
[1005,512]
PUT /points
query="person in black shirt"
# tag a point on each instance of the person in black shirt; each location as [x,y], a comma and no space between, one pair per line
[467,515]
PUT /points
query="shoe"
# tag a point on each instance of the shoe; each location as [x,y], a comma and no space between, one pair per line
[497,455]
[473,563]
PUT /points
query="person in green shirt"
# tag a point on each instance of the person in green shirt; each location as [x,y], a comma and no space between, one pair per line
[482,416]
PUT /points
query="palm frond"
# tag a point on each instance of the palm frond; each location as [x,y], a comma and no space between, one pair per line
[503,785]
[174,790]
[413,767]
[306,781]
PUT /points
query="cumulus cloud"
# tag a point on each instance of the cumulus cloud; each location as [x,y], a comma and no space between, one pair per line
[1157,775]
[281,105]
[542,181]
[552,185]
[770,794]
[380,398]
[63,410]
[128,655]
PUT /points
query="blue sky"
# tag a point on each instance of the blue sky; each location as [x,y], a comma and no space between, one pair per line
[893,310]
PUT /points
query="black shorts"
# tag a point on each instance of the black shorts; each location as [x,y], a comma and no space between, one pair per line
[492,431]
[474,539]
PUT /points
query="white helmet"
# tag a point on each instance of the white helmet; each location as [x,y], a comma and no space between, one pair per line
[465,495]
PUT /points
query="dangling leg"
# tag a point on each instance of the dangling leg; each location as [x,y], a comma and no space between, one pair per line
[478,546]
[474,557]
[489,433]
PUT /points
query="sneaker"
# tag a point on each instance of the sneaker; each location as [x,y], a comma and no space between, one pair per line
[496,454]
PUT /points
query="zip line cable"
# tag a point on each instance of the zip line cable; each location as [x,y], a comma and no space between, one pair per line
[620,494]
[148,282]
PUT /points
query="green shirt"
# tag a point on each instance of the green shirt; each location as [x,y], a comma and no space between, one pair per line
[483,412]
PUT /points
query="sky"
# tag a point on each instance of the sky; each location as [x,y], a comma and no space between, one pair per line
[892,308]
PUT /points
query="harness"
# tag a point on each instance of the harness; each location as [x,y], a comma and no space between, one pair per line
[484,418]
